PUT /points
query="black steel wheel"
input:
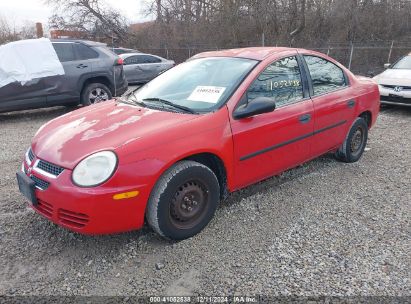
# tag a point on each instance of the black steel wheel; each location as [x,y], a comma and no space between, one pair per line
[355,142]
[183,200]
[189,204]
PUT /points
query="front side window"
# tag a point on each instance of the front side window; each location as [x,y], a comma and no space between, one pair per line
[403,63]
[281,80]
[325,75]
[65,51]
[202,84]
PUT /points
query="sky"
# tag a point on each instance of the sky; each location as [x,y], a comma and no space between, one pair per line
[19,12]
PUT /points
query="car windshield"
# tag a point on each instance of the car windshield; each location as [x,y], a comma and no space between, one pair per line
[403,63]
[201,85]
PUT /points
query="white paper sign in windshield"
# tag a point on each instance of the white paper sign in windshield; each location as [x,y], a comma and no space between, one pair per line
[208,94]
[26,60]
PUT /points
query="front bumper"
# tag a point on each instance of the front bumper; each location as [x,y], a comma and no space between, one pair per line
[390,97]
[88,210]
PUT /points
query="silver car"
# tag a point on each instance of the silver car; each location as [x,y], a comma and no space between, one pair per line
[141,68]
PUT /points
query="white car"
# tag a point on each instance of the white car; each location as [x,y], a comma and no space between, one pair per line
[395,82]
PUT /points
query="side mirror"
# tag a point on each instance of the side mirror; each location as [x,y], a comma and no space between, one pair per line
[387,65]
[256,106]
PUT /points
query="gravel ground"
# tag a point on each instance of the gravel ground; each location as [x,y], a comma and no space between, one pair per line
[324,228]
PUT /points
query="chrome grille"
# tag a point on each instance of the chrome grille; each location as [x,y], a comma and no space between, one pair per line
[406,88]
[41,184]
[31,155]
[49,168]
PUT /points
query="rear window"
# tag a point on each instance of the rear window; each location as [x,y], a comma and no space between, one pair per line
[106,51]
[65,51]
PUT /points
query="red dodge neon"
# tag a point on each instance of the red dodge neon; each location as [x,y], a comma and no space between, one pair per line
[170,151]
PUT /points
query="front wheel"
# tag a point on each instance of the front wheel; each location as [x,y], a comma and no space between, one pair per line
[355,142]
[95,93]
[183,201]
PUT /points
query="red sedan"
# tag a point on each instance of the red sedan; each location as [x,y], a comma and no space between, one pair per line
[173,149]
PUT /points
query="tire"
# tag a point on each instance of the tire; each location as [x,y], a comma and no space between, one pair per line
[355,142]
[95,93]
[185,185]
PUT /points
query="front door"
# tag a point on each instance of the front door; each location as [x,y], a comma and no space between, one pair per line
[267,144]
[16,96]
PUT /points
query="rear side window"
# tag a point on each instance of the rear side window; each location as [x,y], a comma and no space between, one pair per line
[85,52]
[325,75]
[281,80]
[132,60]
[65,51]
[149,59]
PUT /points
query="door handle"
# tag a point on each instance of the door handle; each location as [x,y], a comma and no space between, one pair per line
[304,118]
[81,66]
[351,103]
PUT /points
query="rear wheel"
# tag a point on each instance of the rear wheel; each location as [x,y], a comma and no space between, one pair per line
[355,142]
[183,201]
[95,93]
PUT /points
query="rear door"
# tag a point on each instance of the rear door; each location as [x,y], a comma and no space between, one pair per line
[65,88]
[141,67]
[333,107]
[267,144]
[152,66]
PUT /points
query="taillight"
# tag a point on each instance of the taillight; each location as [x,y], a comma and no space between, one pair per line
[119,61]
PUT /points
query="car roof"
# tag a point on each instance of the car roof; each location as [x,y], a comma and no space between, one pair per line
[122,48]
[86,42]
[126,55]
[256,53]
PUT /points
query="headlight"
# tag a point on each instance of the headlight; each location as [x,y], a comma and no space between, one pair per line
[95,169]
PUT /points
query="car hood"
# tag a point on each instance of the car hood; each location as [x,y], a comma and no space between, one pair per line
[394,77]
[66,140]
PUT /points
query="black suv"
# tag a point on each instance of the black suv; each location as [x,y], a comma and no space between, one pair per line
[93,73]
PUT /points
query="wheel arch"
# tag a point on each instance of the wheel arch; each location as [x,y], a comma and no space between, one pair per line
[97,79]
[208,159]
[216,164]
[367,115]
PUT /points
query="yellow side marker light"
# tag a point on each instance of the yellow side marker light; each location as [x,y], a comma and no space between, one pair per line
[125,195]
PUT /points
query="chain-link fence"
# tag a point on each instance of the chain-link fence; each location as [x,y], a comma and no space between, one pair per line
[362,58]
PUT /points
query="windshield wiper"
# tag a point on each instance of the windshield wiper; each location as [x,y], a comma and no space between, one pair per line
[171,104]
[131,101]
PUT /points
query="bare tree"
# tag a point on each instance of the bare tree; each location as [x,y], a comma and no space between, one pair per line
[301,14]
[91,16]
[297,22]
[28,30]
[7,31]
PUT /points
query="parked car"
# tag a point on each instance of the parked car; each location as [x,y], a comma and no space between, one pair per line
[120,50]
[93,73]
[171,150]
[141,68]
[395,82]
